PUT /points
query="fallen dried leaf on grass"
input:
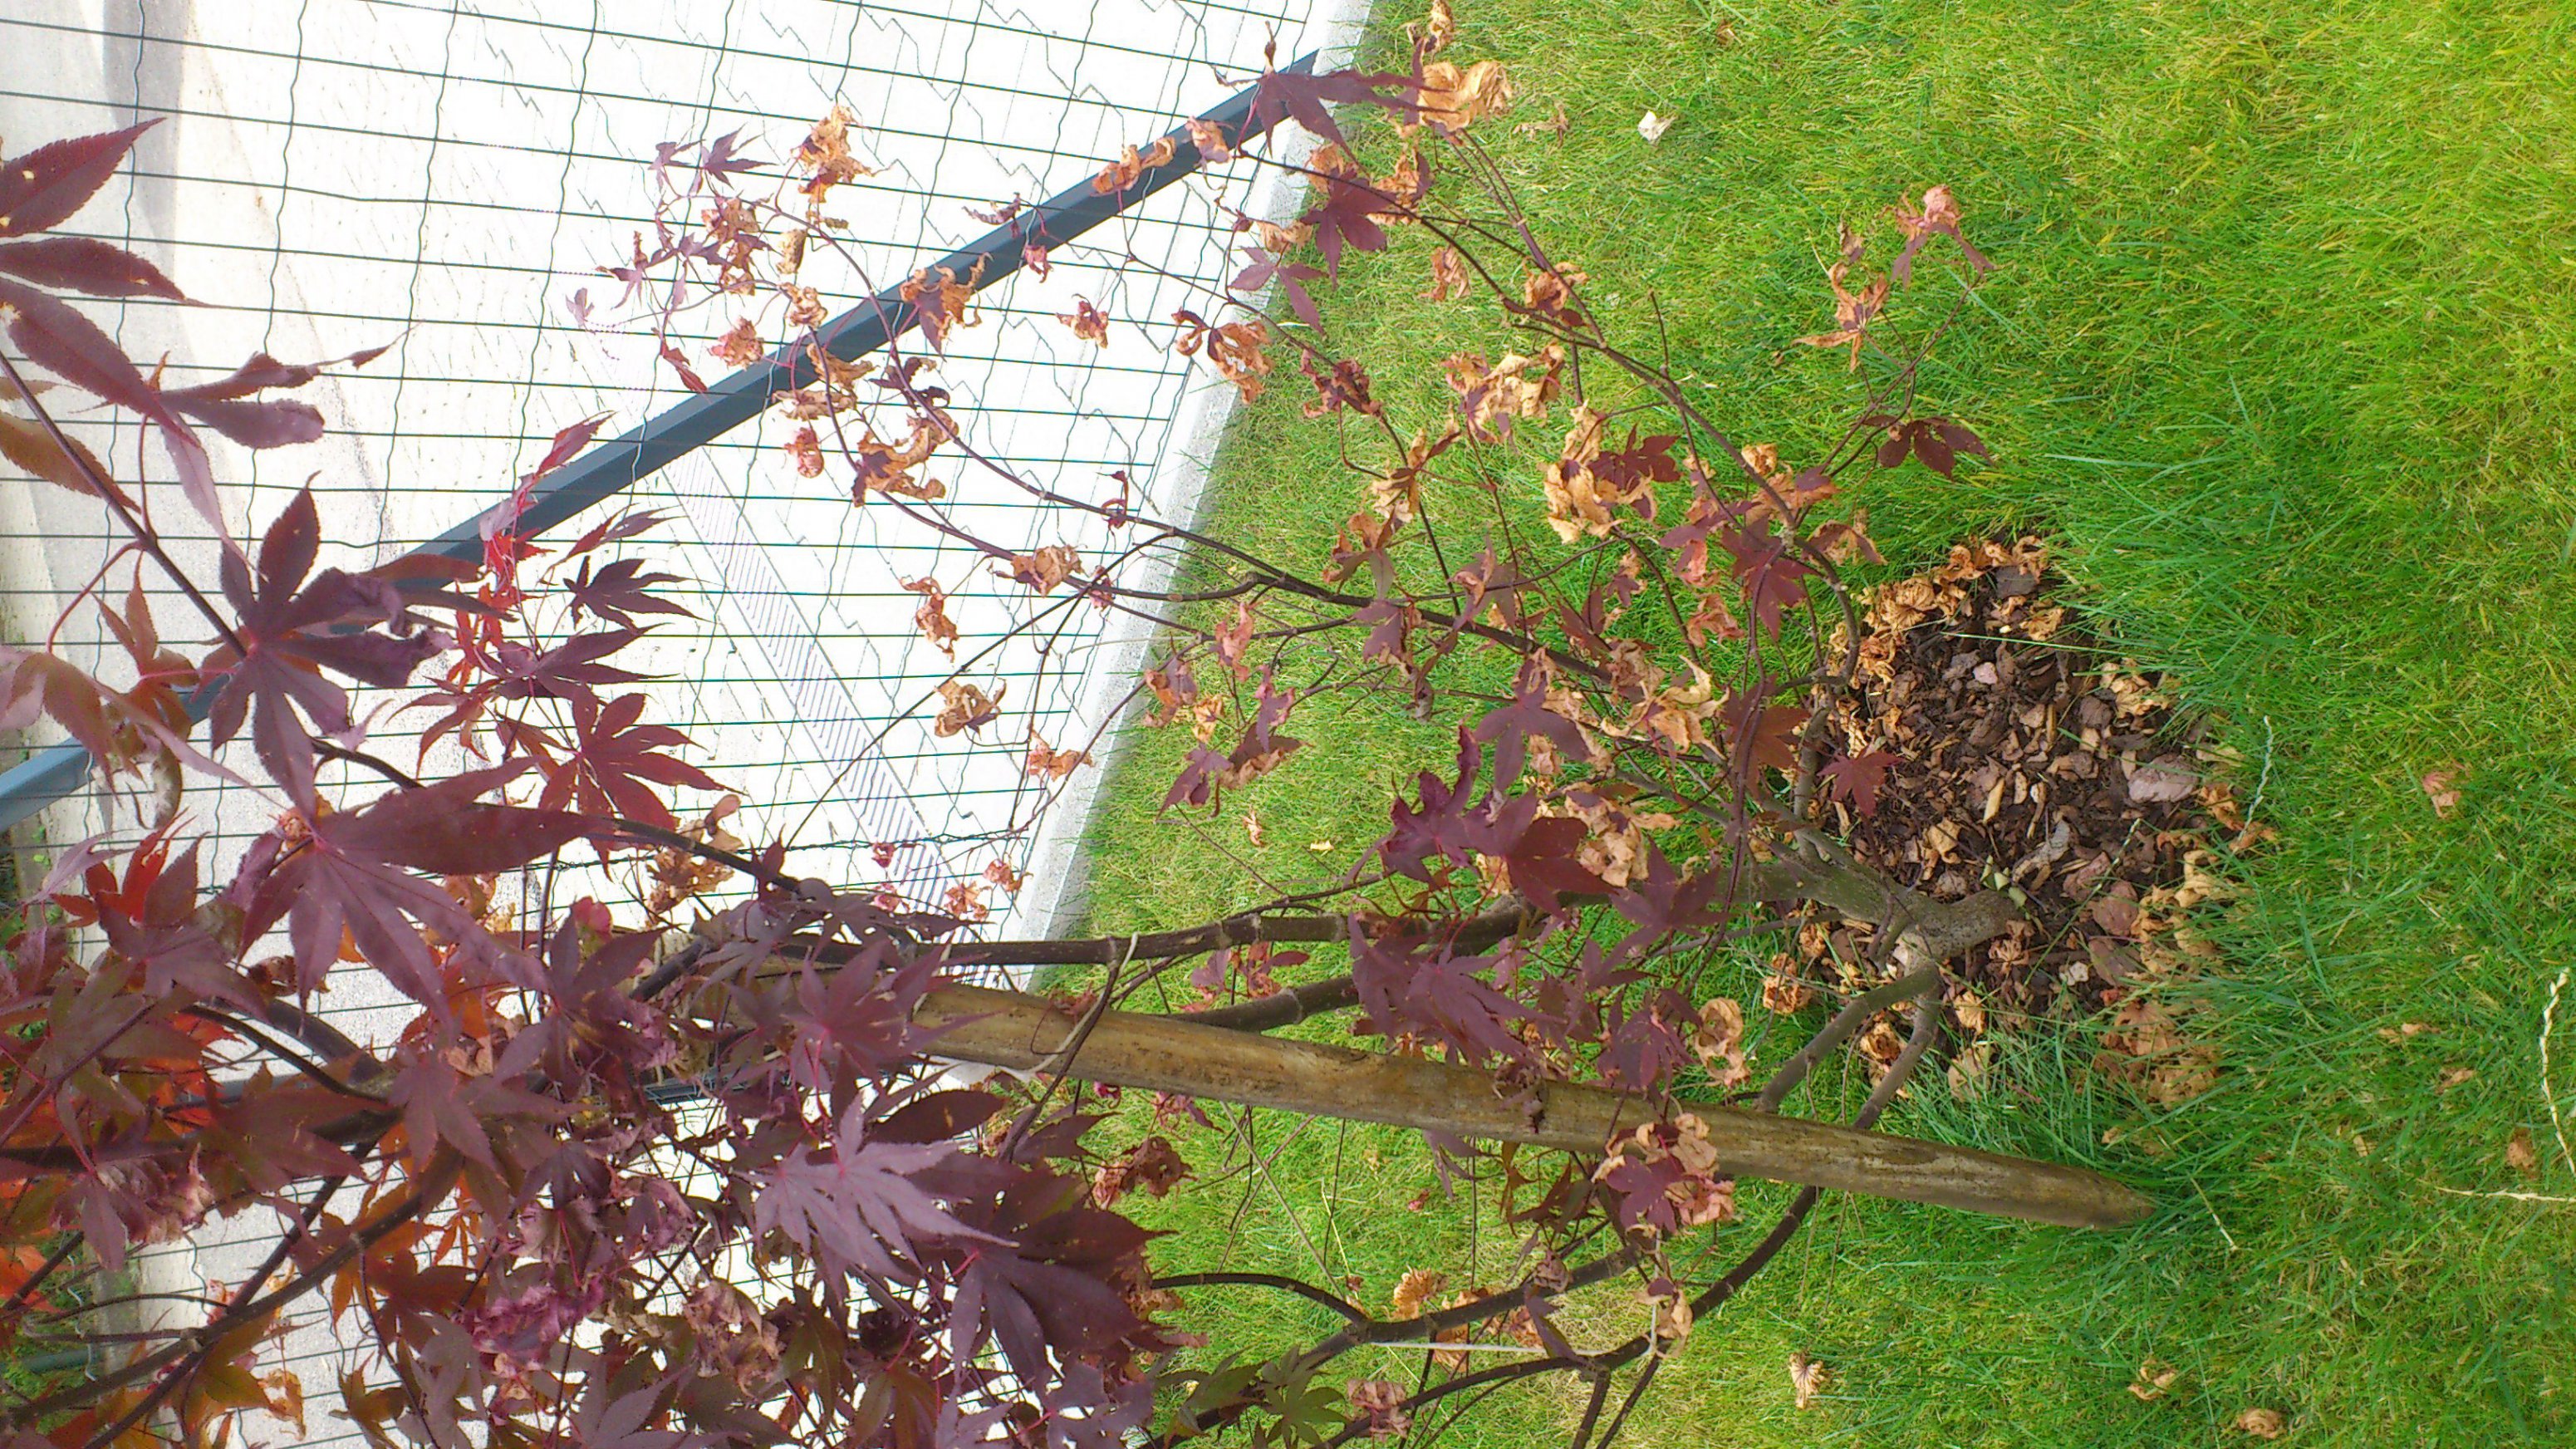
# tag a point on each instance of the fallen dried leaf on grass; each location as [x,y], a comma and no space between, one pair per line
[2441,787]
[2519,1153]
[1969,1069]
[1555,125]
[2262,1423]
[1971,1011]
[2154,1377]
[1436,29]
[1808,1379]
[1653,127]
[2146,1049]
[1782,991]
[2166,779]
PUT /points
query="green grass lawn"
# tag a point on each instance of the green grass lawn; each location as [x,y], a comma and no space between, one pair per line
[2280,351]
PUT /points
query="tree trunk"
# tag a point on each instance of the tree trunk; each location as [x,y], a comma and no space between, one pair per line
[1009,1029]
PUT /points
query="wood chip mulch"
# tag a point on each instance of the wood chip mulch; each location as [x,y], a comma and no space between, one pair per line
[2036,760]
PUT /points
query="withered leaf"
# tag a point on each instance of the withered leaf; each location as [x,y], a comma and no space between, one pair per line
[2165,779]
[964,708]
[2520,1155]
[2262,1423]
[2441,787]
[1808,1379]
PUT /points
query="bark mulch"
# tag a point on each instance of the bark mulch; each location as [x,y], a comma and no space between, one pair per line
[2034,759]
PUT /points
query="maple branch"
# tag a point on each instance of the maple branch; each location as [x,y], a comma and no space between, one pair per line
[433,1184]
[1243,929]
[1298,1286]
[1846,1021]
[331,750]
[1939,929]
[1926,1028]
[1052,1067]
[275,1048]
[1636,1391]
[1591,1409]
[1501,1373]
[1269,573]
[1281,1008]
[96,1305]
[62,1251]
[645,833]
[286,1245]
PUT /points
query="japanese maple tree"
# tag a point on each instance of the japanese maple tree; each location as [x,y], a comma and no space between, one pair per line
[633,1179]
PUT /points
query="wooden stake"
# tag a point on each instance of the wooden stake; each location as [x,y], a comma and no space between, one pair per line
[1165,1054]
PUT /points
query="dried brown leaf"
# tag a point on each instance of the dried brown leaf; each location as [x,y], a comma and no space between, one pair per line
[2163,780]
[2520,1155]
[1414,1289]
[2154,1377]
[1452,99]
[1050,763]
[1808,1379]
[2441,787]
[2262,1423]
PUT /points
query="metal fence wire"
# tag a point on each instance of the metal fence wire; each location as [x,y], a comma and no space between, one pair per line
[445,179]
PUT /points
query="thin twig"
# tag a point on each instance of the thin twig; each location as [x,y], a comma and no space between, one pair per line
[1052,1069]
[433,1184]
[1281,1282]
[114,497]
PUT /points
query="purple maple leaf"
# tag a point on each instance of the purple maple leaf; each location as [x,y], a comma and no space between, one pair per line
[1308,99]
[356,874]
[287,628]
[856,1207]
[1856,779]
[1770,571]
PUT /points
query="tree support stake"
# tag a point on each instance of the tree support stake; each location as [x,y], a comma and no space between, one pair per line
[1166,1054]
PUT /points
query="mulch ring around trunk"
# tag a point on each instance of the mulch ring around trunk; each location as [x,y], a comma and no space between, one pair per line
[2033,759]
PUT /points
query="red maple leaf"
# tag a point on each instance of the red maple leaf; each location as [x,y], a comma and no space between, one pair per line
[857,1208]
[1763,735]
[619,591]
[613,764]
[611,530]
[287,628]
[82,264]
[1768,568]
[354,875]
[566,671]
[1346,217]
[1309,99]
[1856,779]
[1936,441]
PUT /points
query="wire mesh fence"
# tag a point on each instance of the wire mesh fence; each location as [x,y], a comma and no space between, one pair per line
[445,181]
